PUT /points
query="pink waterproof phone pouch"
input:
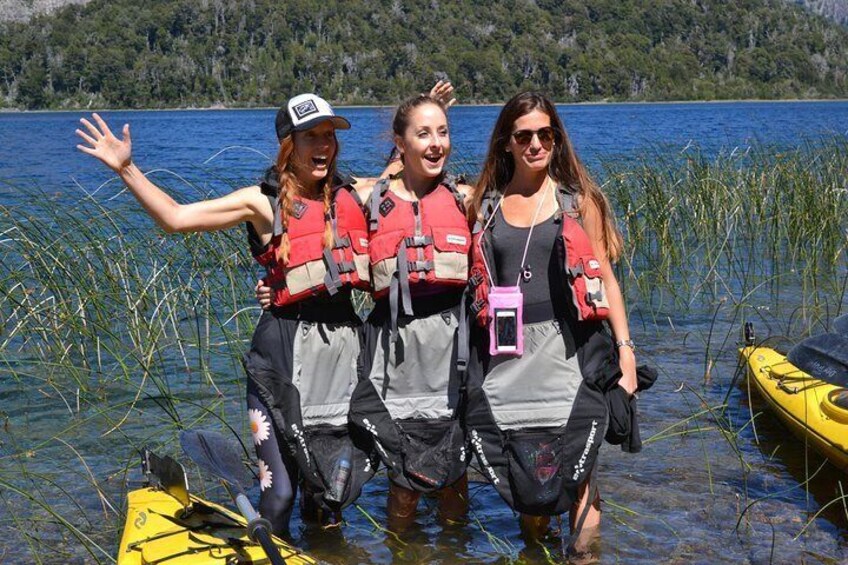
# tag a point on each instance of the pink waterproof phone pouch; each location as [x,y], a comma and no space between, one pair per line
[506,326]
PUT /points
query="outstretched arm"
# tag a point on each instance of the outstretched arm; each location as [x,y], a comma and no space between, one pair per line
[246,204]
[592,223]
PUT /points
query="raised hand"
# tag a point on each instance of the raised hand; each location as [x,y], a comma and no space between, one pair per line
[443,92]
[101,143]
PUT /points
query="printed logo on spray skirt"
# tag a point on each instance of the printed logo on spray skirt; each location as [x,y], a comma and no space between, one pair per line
[581,463]
[300,441]
[478,447]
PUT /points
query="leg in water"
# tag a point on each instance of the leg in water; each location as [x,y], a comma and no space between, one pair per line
[584,548]
[453,501]
[401,507]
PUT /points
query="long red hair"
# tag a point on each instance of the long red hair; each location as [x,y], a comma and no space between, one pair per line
[290,187]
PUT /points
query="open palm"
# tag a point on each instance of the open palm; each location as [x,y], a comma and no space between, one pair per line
[102,143]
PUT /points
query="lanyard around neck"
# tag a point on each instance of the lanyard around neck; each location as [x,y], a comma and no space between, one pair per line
[529,235]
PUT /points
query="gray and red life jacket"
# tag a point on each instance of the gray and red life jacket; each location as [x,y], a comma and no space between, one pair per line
[425,242]
[313,269]
[410,394]
[581,268]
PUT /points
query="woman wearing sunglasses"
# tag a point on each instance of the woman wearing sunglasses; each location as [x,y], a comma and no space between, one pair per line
[543,284]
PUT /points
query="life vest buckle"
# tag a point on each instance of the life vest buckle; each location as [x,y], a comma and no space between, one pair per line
[341,243]
[418,240]
[419,266]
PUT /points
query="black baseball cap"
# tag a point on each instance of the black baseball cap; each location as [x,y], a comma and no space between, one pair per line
[305,111]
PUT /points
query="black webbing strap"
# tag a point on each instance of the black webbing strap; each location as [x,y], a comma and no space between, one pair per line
[463,351]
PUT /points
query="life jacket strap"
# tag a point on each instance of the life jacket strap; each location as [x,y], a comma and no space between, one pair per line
[399,290]
[278,217]
[463,348]
[340,242]
[380,188]
[592,297]
[476,280]
[332,279]
[576,270]
[346,266]
[477,306]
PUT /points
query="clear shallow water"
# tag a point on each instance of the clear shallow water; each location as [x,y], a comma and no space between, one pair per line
[678,501]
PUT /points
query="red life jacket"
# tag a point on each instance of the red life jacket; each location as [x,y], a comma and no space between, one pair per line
[311,268]
[423,242]
[581,268]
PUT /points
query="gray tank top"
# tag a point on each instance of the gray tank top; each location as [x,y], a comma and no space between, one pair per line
[545,286]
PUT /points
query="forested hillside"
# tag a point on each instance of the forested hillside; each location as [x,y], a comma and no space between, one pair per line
[157,53]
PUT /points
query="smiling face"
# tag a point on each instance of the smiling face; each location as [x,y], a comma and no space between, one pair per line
[531,142]
[314,152]
[425,143]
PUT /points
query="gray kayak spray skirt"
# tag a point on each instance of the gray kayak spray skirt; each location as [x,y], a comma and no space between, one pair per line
[536,422]
[409,396]
[304,362]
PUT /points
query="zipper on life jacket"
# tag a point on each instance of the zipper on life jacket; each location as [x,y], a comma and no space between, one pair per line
[416,211]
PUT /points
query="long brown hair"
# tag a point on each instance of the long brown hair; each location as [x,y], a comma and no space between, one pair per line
[290,187]
[565,167]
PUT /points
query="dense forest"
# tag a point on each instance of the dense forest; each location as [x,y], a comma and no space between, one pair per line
[166,53]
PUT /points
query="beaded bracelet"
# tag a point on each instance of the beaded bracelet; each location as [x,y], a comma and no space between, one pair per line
[626,343]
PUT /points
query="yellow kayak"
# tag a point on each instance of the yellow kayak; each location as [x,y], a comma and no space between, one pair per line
[169,526]
[815,411]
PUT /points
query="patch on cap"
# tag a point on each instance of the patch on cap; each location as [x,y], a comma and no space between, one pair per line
[304,109]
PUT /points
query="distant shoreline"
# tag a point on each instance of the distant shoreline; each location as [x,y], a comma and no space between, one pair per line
[217,108]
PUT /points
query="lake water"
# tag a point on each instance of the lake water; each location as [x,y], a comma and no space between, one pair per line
[677,502]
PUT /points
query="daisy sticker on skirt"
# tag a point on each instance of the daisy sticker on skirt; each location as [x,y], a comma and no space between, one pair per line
[265,476]
[260,427]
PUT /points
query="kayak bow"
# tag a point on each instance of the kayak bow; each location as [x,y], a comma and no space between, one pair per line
[815,411]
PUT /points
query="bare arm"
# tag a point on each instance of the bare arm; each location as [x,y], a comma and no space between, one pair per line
[617,312]
[246,204]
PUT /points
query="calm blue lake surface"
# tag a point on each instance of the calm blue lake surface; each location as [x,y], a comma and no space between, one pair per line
[677,502]
[40,147]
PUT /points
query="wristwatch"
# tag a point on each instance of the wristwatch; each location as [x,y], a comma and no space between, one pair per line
[626,343]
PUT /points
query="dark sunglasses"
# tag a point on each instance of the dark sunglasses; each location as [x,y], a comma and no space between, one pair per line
[546,135]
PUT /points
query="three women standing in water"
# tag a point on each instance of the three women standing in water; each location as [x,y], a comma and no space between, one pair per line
[535,421]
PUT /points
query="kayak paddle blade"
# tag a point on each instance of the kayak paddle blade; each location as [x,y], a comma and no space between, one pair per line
[824,357]
[215,454]
[169,473]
